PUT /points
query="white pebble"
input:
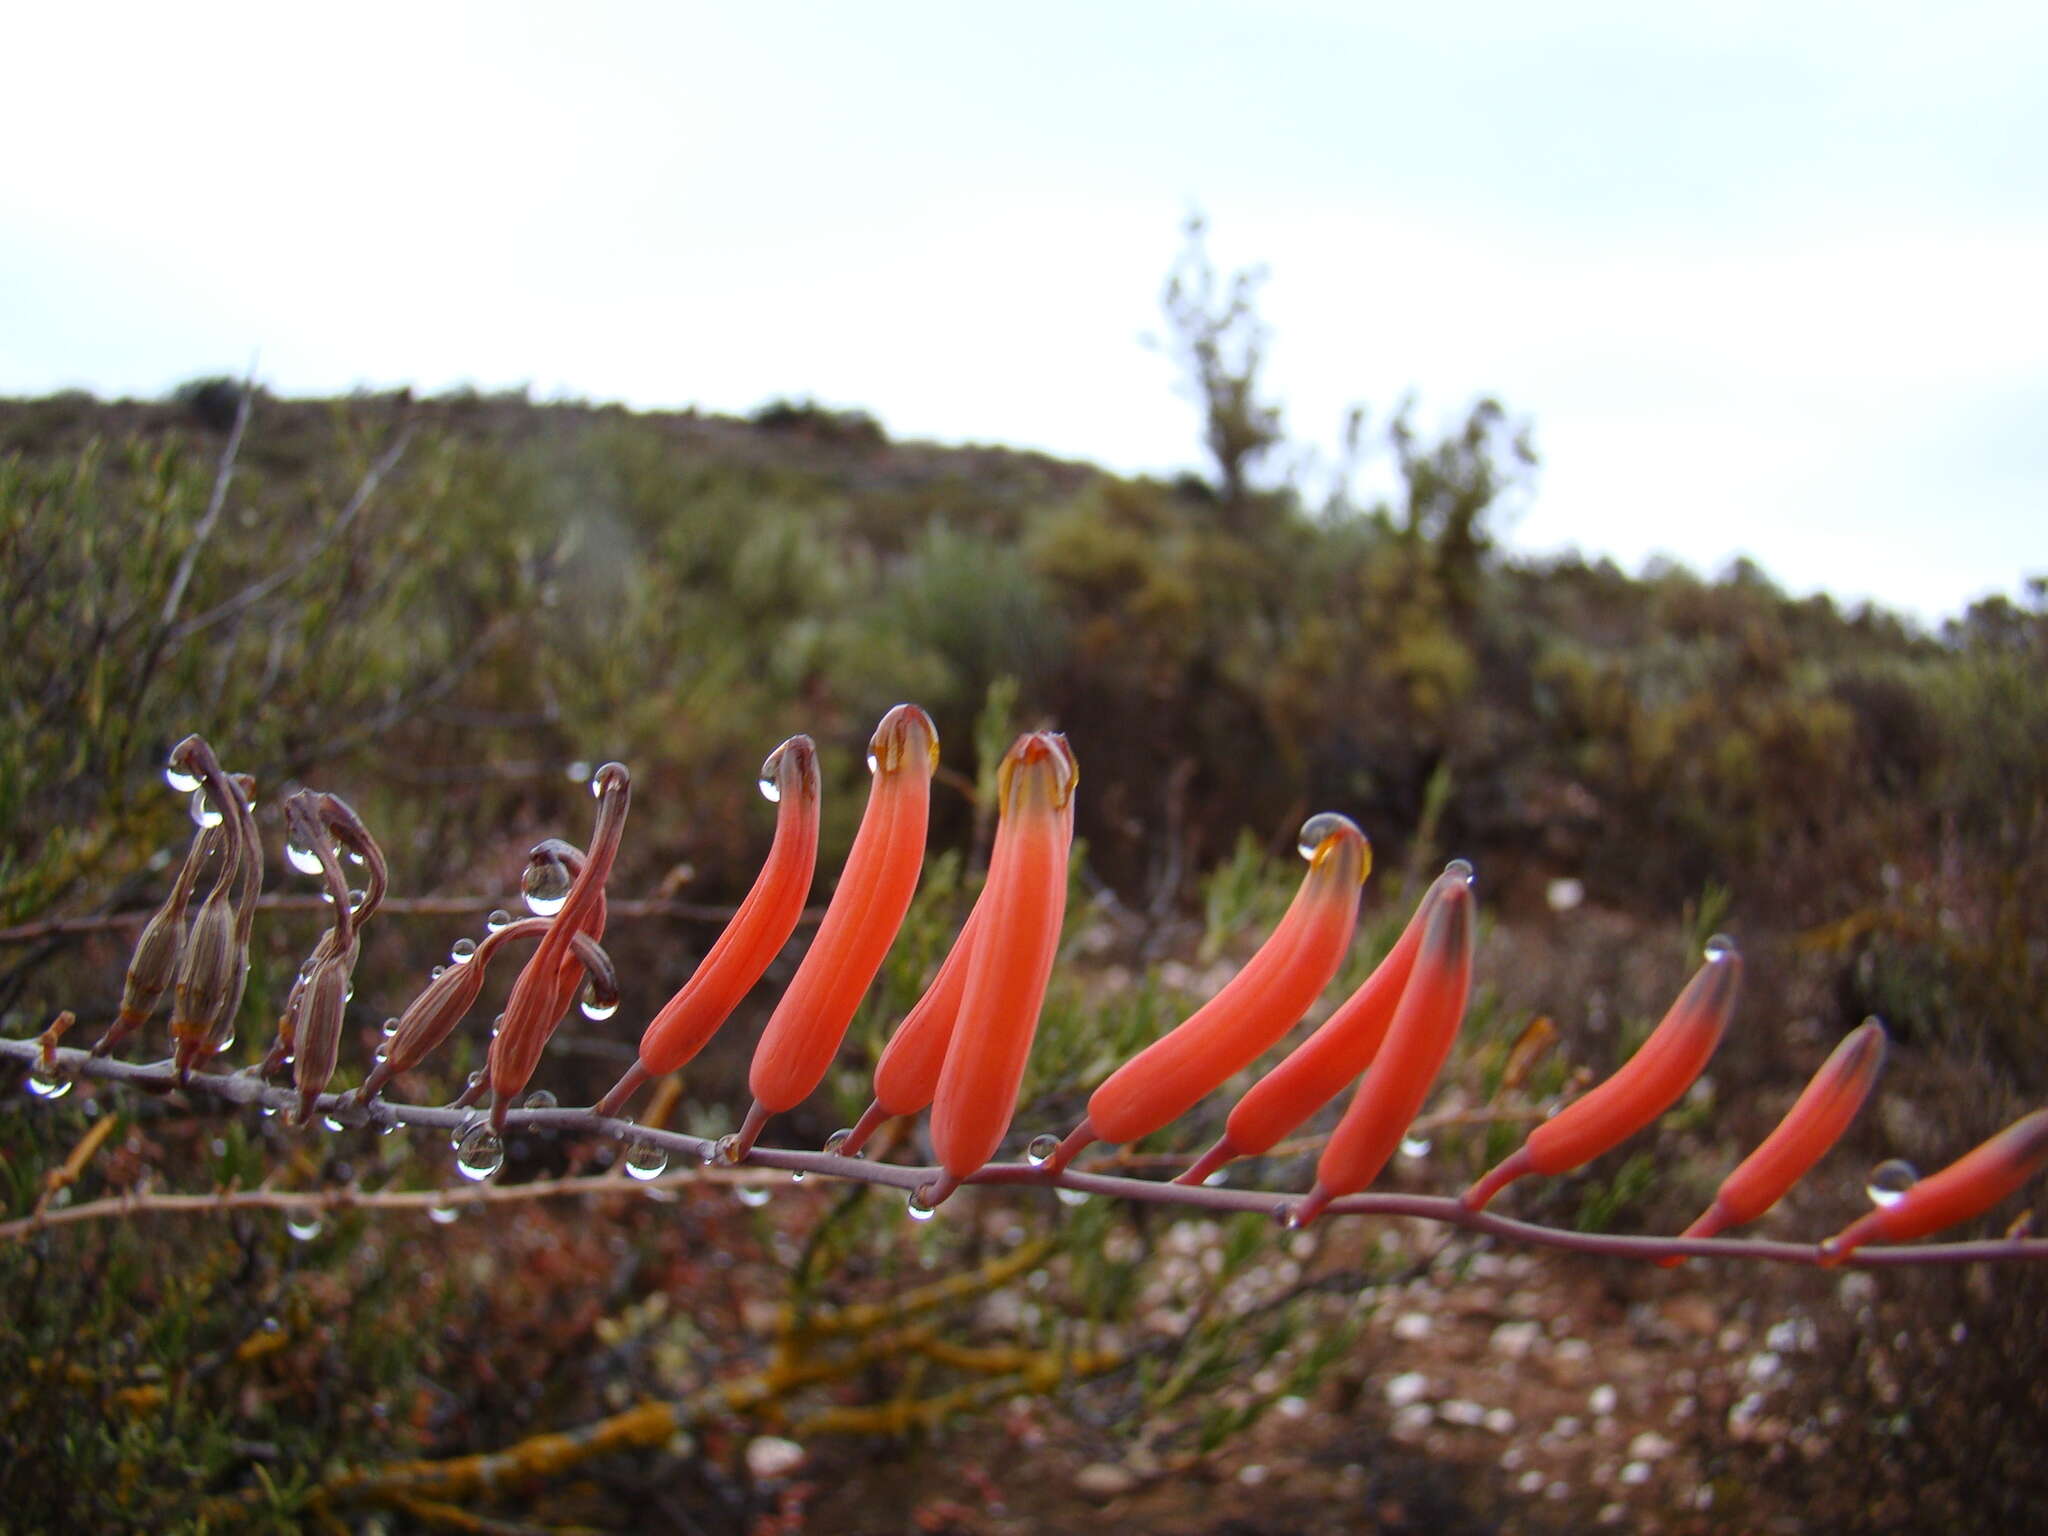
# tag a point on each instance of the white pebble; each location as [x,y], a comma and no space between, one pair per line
[771,1456]
[1406,1388]
[1602,1400]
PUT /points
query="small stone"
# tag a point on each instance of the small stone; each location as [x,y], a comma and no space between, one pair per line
[1530,1481]
[1413,1419]
[1567,1427]
[1602,1400]
[770,1457]
[1764,1368]
[1636,1473]
[1464,1412]
[1406,1388]
[1104,1480]
[1252,1475]
[1514,1340]
[1575,1351]
[1292,1407]
[1612,1514]
[1412,1327]
[1500,1421]
[1794,1335]
[1649,1446]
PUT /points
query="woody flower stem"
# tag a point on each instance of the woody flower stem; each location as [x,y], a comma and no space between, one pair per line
[160,1077]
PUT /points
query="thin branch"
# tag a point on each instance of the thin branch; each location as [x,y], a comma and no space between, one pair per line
[214,503]
[242,1088]
[416,906]
[257,590]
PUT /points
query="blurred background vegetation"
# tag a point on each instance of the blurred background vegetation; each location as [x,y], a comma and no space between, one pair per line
[447,608]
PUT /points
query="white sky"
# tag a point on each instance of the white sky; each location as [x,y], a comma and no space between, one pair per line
[1767,279]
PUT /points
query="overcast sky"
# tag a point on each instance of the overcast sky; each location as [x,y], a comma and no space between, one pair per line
[1766,279]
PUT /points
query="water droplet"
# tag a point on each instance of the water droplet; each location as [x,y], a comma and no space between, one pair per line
[875,766]
[770,790]
[304,860]
[331,1123]
[540,1098]
[355,858]
[303,1222]
[725,1152]
[753,1196]
[1217,1179]
[914,1207]
[597,1008]
[386,1127]
[576,772]
[1042,1147]
[437,973]
[796,1176]
[545,887]
[462,951]
[390,1028]
[1415,1147]
[1319,829]
[468,1123]
[1890,1180]
[835,1144]
[597,787]
[225,1043]
[269,1110]
[1461,869]
[441,1215]
[498,921]
[48,1087]
[1071,1196]
[479,1153]
[184,783]
[646,1160]
[356,897]
[1720,947]
[202,809]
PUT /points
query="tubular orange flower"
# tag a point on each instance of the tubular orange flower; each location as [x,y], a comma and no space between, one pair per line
[548,981]
[1316,1071]
[874,892]
[1256,1007]
[907,1075]
[1417,1041]
[753,938]
[1967,1187]
[1815,1123]
[1010,964]
[1647,1084]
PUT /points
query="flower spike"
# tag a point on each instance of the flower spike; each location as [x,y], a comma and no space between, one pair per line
[547,983]
[1010,963]
[1967,1187]
[753,938]
[1815,1123]
[214,967]
[803,1034]
[1316,1071]
[1418,1040]
[1646,1085]
[1256,1007]
[907,1074]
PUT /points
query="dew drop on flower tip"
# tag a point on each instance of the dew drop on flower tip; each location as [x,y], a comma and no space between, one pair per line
[646,1160]
[753,1196]
[770,790]
[1890,1180]
[596,1008]
[916,1209]
[479,1154]
[181,781]
[1461,869]
[1415,1147]
[1720,947]
[203,813]
[875,766]
[498,921]
[835,1144]
[463,950]
[1041,1149]
[540,1098]
[303,1223]
[441,1215]
[303,859]
[434,975]
[48,1087]
[390,1028]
